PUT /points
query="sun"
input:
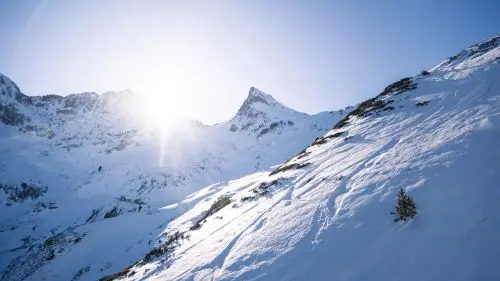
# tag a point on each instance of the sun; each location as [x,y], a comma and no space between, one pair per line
[159,109]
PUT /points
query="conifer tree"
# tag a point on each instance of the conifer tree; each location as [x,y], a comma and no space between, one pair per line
[405,207]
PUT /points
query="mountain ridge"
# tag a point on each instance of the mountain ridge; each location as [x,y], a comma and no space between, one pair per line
[74,166]
[320,213]
[326,211]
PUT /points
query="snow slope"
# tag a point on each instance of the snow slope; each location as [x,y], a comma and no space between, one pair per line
[82,177]
[325,213]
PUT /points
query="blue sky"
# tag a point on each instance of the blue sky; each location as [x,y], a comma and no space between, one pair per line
[201,57]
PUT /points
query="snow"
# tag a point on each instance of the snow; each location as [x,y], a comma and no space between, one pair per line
[325,214]
[137,163]
[331,219]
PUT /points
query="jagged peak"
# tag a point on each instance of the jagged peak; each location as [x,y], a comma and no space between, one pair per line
[253,103]
[256,95]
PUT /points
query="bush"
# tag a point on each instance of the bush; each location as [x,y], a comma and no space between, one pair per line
[92,216]
[405,207]
[50,256]
[165,247]
[425,73]
[285,167]
[220,203]
[23,192]
[112,213]
[422,103]
[117,275]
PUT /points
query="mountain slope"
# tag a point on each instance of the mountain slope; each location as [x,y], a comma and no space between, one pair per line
[325,214]
[78,171]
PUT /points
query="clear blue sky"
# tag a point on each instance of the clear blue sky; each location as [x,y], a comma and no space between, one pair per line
[204,55]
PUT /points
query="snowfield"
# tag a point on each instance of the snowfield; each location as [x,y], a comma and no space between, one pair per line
[323,214]
[77,172]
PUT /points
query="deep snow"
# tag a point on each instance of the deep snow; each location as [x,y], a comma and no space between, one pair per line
[322,215]
[328,216]
[98,158]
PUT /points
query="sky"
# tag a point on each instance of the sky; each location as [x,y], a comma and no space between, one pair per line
[199,58]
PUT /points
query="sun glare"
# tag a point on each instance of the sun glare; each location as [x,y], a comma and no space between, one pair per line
[160,110]
[164,110]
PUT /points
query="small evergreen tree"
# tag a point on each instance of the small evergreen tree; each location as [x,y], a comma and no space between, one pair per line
[405,207]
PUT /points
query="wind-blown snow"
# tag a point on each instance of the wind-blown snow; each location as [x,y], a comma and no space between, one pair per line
[94,154]
[330,219]
[322,215]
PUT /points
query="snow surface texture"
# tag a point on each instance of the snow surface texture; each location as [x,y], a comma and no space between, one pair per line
[82,177]
[325,214]
[322,215]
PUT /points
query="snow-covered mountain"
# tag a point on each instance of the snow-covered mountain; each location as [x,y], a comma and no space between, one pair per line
[325,214]
[87,168]
[89,191]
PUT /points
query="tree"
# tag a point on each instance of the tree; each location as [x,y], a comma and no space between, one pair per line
[405,207]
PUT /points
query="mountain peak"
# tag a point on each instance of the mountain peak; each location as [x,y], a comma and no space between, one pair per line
[256,102]
[256,95]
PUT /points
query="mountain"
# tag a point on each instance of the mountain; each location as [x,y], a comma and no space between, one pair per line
[78,171]
[325,214]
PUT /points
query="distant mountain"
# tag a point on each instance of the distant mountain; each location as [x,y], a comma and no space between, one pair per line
[327,213]
[77,168]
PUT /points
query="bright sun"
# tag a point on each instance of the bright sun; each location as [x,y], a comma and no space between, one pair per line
[160,110]
[165,88]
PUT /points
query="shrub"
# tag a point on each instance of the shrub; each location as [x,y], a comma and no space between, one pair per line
[155,252]
[92,216]
[285,167]
[22,192]
[398,87]
[405,207]
[165,247]
[422,103]
[112,213]
[220,203]
[117,275]
[196,226]
[50,256]
[319,140]
[263,132]
[425,73]
[365,108]
[54,240]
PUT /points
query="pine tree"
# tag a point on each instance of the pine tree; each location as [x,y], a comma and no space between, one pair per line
[405,208]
